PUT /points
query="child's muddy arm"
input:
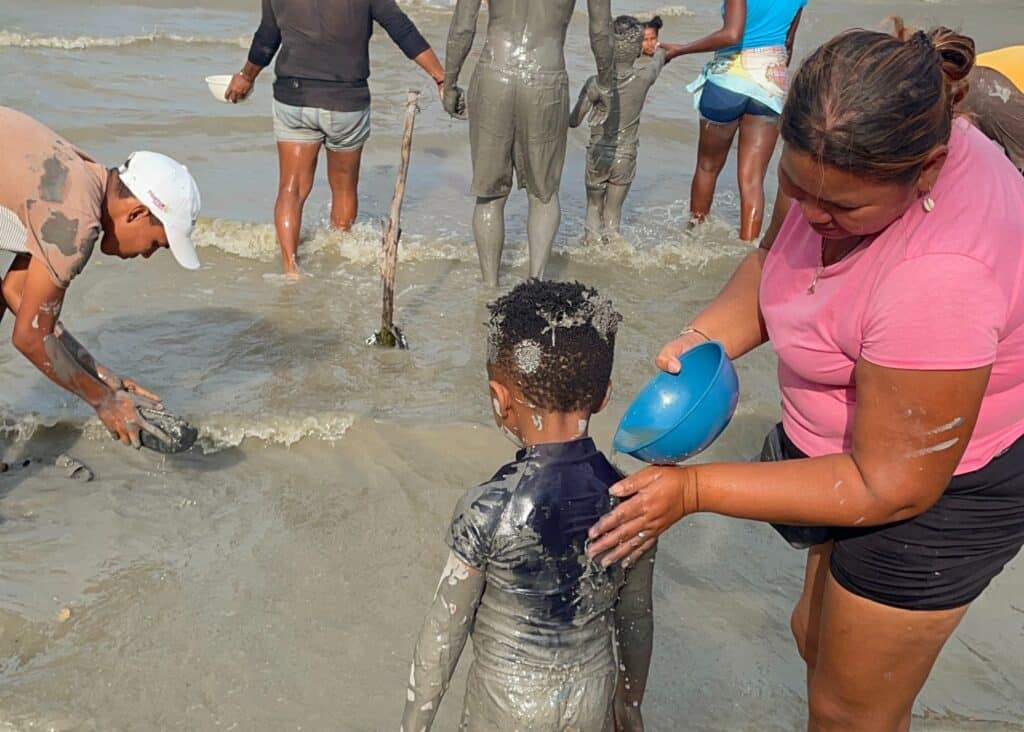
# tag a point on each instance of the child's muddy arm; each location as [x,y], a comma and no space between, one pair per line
[634,634]
[658,61]
[583,105]
[440,643]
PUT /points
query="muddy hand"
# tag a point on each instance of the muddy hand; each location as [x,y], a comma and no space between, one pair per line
[116,383]
[454,101]
[119,413]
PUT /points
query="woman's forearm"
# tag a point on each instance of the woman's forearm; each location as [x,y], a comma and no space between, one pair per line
[822,491]
[734,316]
[730,34]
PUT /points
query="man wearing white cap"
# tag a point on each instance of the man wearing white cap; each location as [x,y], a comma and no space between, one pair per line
[56,203]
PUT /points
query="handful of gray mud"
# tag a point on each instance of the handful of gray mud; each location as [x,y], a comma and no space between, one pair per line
[182,434]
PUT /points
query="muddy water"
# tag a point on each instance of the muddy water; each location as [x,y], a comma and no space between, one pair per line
[275,578]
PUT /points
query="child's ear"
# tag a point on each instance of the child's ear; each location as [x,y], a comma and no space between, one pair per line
[501,399]
[604,402]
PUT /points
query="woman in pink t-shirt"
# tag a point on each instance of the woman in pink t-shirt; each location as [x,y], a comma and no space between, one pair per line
[894,299]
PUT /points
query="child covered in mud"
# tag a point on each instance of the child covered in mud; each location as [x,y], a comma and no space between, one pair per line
[559,642]
[612,150]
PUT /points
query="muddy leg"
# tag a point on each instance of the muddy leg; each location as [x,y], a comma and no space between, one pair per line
[613,206]
[489,232]
[592,227]
[541,227]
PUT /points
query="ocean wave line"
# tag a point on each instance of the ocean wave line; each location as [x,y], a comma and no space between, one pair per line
[215,433]
[14,39]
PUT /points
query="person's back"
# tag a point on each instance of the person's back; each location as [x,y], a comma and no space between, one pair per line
[527,33]
[768,23]
[543,605]
[543,616]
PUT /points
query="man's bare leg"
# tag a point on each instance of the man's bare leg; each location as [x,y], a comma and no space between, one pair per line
[613,206]
[298,166]
[343,176]
[489,232]
[594,225]
[541,227]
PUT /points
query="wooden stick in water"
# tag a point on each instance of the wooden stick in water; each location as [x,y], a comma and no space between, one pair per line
[389,334]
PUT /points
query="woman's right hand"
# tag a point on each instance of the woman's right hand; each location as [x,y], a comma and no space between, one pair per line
[239,88]
[119,413]
[668,357]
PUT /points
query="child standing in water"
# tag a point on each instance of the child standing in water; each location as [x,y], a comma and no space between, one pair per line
[611,152]
[559,642]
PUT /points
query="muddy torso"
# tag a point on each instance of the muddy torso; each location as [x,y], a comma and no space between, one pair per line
[527,34]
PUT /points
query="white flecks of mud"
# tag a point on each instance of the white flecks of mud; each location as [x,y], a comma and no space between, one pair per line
[455,571]
[934,448]
[951,425]
[528,355]
[1000,92]
[596,310]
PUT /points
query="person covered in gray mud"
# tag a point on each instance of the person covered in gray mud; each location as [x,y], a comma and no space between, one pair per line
[518,107]
[994,99]
[612,150]
[56,205]
[544,619]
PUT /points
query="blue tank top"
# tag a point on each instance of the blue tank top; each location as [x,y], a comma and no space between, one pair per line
[768,22]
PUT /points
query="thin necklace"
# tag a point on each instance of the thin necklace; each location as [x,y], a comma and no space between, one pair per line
[821,262]
[819,269]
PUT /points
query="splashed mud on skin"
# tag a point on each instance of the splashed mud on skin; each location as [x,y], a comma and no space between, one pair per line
[454,571]
[951,425]
[934,448]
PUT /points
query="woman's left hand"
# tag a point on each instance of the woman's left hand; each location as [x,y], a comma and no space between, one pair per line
[658,496]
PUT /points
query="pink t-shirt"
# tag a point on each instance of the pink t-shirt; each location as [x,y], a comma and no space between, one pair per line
[934,291]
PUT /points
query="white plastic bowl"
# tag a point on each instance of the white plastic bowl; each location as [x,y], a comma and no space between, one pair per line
[218,85]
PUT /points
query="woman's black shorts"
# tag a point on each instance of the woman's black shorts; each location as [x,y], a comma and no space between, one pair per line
[941,559]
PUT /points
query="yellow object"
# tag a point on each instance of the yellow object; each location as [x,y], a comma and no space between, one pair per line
[1007,61]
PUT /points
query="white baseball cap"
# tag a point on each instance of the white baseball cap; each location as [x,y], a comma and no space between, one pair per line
[168,190]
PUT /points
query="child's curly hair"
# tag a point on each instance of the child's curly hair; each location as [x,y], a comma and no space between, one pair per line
[557,341]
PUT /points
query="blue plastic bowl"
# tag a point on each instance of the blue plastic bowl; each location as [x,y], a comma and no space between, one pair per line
[676,416]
